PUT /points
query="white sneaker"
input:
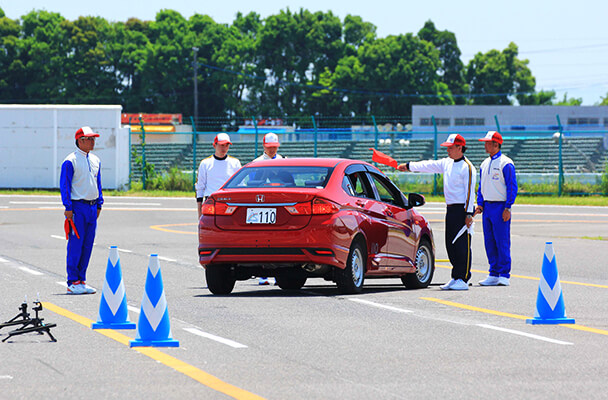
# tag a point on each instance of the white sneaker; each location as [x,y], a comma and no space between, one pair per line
[490,281]
[87,289]
[264,281]
[448,285]
[75,288]
[502,281]
[459,285]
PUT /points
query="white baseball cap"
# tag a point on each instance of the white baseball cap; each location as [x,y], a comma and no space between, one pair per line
[271,140]
[222,138]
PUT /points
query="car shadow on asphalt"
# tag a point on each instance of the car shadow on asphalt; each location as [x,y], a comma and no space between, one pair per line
[308,291]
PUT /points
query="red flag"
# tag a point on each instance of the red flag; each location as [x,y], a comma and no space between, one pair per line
[382,158]
[66,227]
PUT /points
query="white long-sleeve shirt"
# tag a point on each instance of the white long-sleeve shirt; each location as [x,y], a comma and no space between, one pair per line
[265,156]
[458,179]
[213,173]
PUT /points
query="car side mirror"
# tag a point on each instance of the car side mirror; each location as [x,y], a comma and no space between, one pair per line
[415,200]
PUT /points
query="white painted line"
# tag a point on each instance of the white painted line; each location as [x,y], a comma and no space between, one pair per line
[222,340]
[36,202]
[530,335]
[64,284]
[134,309]
[3,206]
[131,204]
[166,259]
[30,271]
[2,260]
[125,251]
[58,237]
[6,377]
[371,303]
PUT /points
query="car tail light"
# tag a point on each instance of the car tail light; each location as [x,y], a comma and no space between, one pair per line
[322,206]
[299,209]
[211,207]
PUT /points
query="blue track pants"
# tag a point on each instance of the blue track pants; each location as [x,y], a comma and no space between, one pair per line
[79,250]
[497,238]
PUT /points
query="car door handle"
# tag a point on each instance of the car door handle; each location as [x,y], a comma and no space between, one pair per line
[360,203]
[390,213]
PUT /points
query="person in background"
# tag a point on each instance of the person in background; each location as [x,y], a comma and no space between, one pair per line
[215,170]
[80,186]
[495,196]
[459,192]
[271,147]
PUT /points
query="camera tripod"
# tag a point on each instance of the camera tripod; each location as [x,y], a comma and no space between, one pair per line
[28,324]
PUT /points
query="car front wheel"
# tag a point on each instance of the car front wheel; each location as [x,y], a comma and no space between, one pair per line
[425,267]
[350,279]
[219,279]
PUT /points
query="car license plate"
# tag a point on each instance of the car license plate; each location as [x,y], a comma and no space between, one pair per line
[261,215]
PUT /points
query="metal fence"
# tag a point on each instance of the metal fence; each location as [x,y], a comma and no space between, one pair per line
[392,130]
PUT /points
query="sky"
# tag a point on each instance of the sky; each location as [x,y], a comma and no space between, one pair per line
[565,41]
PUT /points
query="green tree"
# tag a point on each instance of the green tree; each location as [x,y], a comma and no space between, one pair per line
[293,50]
[604,101]
[390,74]
[11,79]
[451,69]
[496,76]
[542,98]
[569,101]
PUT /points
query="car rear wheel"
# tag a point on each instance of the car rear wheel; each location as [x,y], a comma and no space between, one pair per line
[291,282]
[425,264]
[350,279]
[219,279]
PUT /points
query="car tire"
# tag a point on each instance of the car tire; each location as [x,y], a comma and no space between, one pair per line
[350,279]
[290,282]
[425,263]
[219,279]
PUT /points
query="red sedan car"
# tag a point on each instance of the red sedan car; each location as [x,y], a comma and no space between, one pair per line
[298,218]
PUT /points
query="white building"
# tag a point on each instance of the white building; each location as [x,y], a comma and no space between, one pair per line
[35,139]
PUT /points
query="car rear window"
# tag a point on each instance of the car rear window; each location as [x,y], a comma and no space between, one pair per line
[296,177]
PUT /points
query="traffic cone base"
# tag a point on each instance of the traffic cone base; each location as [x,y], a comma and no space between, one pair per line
[113,312]
[153,327]
[550,309]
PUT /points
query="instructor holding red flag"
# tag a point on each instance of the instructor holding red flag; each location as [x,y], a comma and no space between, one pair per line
[459,192]
[80,186]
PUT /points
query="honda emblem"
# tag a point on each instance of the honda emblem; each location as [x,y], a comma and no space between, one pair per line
[259,198]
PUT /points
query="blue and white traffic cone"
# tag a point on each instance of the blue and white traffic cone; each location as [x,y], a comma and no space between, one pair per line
[153,327]
[550,307]
[113,312]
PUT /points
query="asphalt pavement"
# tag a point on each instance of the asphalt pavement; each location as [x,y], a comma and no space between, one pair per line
[262,342]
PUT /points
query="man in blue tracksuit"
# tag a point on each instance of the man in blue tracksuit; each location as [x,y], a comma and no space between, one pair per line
[495,196]
[80,186]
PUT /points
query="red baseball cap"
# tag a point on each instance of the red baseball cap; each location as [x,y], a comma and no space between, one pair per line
[85,131]
[271,140]
[454,139]
[222,138]
[492,136]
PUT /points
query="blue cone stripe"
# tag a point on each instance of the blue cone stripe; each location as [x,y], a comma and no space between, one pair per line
[113,275]
[113,297]
[154,287]
[550,307]
[154,303]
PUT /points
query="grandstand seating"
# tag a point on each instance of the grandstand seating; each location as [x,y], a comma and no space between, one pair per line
[532,155]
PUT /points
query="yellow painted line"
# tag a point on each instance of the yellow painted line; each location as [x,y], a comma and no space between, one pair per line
[164,228]
[516,316]
[528,277]
[178,365]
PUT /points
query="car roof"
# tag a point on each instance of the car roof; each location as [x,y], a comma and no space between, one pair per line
[309,162]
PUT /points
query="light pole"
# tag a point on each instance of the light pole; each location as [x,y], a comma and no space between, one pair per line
[195,67]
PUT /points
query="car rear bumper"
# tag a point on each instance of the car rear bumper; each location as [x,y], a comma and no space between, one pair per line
[288,247]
